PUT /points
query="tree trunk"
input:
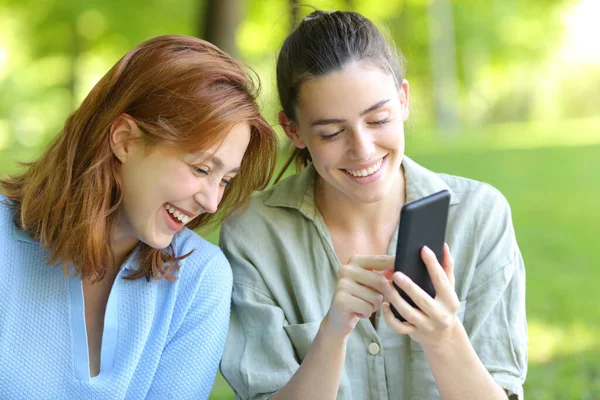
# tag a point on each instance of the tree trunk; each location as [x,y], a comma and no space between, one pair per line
[220,20]
[294,4]
[442,53]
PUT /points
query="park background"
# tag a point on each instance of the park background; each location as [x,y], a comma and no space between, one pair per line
[503,91]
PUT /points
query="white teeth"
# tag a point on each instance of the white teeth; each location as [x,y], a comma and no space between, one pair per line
[179,215]
[183,218]
[367,171]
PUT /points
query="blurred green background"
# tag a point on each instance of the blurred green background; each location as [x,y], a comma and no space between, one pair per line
[503,91]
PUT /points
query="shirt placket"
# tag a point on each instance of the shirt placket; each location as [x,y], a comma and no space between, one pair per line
[373,350]
[369,346]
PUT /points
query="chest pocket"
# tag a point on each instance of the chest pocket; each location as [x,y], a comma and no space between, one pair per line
[422,382]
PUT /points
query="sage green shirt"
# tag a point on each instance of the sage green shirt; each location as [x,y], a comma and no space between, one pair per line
[285,273]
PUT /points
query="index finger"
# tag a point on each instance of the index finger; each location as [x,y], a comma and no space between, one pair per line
[379,263]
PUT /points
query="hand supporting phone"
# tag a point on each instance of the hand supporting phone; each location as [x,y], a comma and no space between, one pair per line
[422,223]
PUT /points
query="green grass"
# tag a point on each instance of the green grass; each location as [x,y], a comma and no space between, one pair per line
[551,178]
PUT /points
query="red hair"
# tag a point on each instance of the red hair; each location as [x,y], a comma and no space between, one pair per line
[182,92]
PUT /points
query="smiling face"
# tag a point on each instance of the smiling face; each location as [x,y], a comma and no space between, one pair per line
[165,188]
[352,122]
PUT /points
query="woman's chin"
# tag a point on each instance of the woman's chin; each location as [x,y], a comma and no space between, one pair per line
[371,197]
[159,241]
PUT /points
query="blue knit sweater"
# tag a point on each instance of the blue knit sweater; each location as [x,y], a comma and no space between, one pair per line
[161,339]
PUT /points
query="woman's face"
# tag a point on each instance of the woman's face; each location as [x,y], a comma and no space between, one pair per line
[352,122]
[165,188]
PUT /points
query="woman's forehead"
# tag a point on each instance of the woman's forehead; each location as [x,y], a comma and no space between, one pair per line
[353,89]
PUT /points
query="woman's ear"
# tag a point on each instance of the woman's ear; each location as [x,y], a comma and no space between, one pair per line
[291,130]
[403,93]
[121,131]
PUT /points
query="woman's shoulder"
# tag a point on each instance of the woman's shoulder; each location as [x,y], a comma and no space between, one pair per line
[483,209]
[204,257]
[467,188]
[187,240]
[477,196]
[465,192]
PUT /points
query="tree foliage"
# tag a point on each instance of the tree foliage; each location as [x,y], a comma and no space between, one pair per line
[51,53]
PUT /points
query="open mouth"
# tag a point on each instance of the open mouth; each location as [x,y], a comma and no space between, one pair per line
[365,172]
[176,215]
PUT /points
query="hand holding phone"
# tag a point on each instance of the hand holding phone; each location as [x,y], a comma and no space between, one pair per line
[422,223]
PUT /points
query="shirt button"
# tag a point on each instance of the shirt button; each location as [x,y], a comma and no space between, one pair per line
[373,349]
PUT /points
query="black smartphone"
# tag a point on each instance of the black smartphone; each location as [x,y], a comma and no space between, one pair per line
[422,223]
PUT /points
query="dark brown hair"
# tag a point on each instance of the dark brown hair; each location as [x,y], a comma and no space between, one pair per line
[325,42]
[182,92]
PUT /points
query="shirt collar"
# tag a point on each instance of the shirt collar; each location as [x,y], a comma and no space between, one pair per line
[298,191]
[21,235]
[421,182]
[132,262]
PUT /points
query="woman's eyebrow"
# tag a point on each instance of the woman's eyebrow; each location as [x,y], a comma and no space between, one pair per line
[220,165]
[329,121]
[374,107]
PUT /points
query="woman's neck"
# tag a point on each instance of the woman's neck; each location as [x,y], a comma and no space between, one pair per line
[121,244]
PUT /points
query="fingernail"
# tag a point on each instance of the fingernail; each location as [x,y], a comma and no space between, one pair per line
[427,250]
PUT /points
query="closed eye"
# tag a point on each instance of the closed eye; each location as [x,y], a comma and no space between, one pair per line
[199,170]
[379,123]
[333,135]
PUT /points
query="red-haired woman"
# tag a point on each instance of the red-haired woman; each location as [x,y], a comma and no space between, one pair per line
[106,291]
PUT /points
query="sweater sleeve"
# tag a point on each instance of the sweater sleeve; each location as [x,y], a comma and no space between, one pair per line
[189,362]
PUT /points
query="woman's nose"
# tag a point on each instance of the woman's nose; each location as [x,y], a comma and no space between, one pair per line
[209,197]
[362,146]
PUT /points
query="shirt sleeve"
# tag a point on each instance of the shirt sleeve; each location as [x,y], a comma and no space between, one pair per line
[495,316]
[189,362]
[259,357]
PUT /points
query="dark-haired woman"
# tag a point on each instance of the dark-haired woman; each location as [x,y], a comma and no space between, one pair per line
[312,257]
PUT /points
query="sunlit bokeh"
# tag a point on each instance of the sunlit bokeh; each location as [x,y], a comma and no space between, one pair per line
[581,43]
[91,24]
[5,137]
[559,341]
[3,57]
